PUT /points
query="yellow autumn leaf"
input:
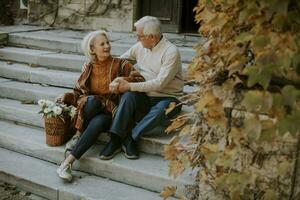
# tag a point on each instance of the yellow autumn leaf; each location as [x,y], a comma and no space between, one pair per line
[171,151]
[171,107]
[208,98]
[185,130]
[168,191]
[175,168]
[177,123]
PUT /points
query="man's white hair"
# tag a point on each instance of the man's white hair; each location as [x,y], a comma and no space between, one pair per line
[150,24]
[88,42]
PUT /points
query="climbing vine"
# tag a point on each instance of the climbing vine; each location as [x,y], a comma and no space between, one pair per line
[243,137]
[70,11]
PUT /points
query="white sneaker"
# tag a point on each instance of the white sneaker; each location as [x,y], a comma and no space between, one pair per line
[64,172]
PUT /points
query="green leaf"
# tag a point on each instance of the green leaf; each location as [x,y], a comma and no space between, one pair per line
[270,195]
[221,181]
[253,128]
[244,37]
[290,95]
[293,16]
[210,5]
[258,101]
[250,10]
[284,168]
[279,6]
[267,135]
[280,22]
[290,124]
[296,62]
[277,100]
[260,41]
[259,74]
[268,59]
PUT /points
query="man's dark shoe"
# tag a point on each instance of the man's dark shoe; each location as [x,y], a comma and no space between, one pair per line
[110,150]
[130,148]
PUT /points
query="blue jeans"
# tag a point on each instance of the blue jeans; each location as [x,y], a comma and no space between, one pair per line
[95,122]
[147,114]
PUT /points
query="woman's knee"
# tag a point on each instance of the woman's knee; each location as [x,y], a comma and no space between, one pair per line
[92,105]
[101,121]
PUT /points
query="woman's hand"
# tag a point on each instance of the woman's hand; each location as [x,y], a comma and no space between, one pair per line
[123,86]
[114,87]
[119,85]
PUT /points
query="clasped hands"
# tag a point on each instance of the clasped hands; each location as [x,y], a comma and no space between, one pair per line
[119,85]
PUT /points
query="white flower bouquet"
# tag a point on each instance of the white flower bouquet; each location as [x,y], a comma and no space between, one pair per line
[57,119]
[51,109]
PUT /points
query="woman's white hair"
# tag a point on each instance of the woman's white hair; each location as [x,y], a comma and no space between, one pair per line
[150,24]
[88,41]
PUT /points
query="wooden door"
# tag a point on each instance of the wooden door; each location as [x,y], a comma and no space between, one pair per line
[167,11]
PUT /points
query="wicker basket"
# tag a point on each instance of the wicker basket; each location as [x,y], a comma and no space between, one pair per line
[56,129]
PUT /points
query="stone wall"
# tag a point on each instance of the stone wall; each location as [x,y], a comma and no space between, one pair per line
[112,15]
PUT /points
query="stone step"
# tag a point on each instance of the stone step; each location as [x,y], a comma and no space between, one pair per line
[149,172]
[41,87]
[39,177]
[49,59]
[28,91]
[17,112]
[26,73]
[52,40]
[22,28]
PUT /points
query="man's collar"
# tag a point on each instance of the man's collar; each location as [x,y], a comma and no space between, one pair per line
[159,44]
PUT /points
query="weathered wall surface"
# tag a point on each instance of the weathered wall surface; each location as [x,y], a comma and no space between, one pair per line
[113,15]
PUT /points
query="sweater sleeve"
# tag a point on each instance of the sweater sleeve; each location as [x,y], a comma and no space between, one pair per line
[171,64]
[131,53]
[129,73]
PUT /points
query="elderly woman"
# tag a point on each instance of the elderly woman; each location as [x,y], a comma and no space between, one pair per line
[92,97]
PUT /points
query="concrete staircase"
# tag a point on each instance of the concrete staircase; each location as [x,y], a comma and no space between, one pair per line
[43,63]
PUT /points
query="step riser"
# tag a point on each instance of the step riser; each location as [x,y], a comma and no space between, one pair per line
[22,94]
[65,62]
[74,47]
[35,147]
[15,40]
[28,92]
[21,116]
[27,185]
[14,112]
[3,38]
[50,60]
[39,177]
[38,75]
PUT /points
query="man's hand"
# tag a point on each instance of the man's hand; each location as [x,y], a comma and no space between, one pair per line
[123,86]
[119,85]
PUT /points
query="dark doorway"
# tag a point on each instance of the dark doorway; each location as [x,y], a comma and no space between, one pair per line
[167,11]
[188,24]
[175,15]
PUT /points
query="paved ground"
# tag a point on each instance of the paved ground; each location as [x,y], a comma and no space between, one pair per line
[10,192]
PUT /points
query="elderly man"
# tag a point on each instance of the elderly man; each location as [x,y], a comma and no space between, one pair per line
[142,107]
